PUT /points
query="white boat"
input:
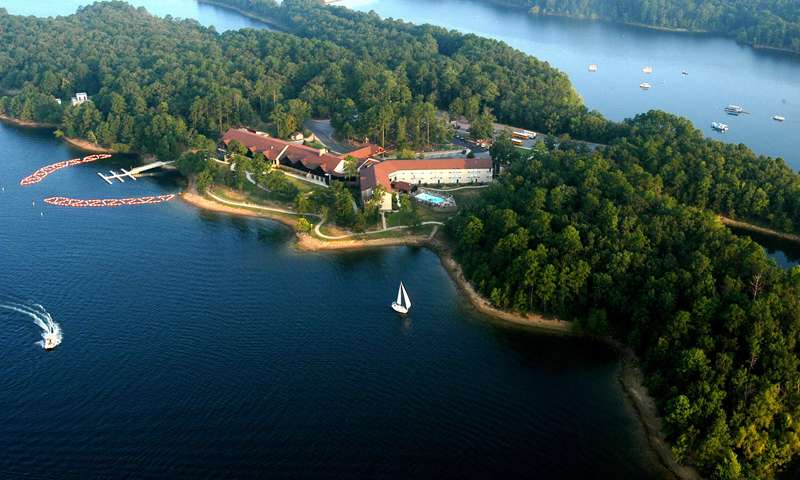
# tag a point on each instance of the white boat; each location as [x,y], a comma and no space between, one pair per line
[50,341]
[403,302]
[593,67]
[720,127]
[778,118]
[645,86]
[734,109]
[647,70]
[685,72]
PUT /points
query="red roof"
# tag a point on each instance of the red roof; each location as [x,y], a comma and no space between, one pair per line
[378,174]
[272,147]
[368,150]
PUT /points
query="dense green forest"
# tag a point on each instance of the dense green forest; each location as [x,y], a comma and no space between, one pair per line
[713,319]
[764,23]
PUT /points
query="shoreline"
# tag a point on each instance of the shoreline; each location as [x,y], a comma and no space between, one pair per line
[265,20]
[26,123]
[86,145]
[644,26]
[789,237]
[78,143]
[629,376]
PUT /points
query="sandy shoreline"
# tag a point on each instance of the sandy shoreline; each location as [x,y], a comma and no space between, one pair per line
[86,145]
[78,143]
[26,123]
[762,230]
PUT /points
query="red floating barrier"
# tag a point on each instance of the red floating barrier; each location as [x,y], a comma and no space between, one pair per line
[40,174]
[107,202]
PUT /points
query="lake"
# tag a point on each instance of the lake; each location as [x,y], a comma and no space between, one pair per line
[721,72]
[206,346]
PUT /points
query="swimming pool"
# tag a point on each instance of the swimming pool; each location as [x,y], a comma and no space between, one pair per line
[427,197]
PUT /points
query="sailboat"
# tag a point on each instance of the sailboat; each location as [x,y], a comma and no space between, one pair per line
[403,303]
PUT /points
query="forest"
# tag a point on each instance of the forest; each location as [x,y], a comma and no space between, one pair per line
[761,23]
[714,321]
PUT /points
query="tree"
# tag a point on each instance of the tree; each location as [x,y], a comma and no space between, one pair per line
[482,127]
[304,226]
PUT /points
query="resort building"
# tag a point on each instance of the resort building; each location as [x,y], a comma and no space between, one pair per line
[316,162]
[79,99]
[400,175]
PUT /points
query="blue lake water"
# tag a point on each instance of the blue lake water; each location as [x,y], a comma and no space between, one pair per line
[198,345]
[721,72]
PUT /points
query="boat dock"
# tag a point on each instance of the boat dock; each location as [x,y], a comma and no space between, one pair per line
[131,173]
[116,176]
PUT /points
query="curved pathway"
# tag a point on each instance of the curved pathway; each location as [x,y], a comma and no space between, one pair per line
[259,207]
[342,237]
[468,187]
[320,224]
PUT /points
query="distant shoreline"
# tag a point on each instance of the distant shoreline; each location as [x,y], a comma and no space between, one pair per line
[78,143]
[789,237]
[644,26]
[253,16]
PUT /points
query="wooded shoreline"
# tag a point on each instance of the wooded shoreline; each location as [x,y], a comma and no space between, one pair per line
[630,376]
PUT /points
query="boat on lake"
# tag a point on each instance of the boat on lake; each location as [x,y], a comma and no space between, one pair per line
[593,67]
[645,86]
[720,127]
[734,109]
[778,118]
[685,72]
[50,341]
[648,70]
[403,302]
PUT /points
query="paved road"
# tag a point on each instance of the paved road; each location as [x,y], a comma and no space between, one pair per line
[324,132]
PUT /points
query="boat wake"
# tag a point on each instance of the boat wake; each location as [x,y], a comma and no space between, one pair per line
[51,330]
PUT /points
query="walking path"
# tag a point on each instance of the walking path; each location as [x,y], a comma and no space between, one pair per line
[258,207]
[349,235]
[468,187]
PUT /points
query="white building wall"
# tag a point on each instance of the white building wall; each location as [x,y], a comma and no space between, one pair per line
[386,201]
[443,176]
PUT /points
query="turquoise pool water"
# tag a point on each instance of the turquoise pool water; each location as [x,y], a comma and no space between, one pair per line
[427,197]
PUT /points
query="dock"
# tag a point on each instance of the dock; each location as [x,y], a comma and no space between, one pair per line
[131,173]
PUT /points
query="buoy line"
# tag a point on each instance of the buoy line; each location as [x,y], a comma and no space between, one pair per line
[40,174]
[107,202]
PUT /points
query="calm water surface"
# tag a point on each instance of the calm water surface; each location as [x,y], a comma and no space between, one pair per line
[198,345]
[720,71]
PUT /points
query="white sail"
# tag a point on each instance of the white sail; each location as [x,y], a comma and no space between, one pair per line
[399,300]
[406,300]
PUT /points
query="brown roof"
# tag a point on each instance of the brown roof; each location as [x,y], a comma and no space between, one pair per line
[366,151]
[378,174]
[271,147]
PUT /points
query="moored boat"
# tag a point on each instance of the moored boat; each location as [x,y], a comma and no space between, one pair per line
[734,109]
[403,302]
[720,127]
